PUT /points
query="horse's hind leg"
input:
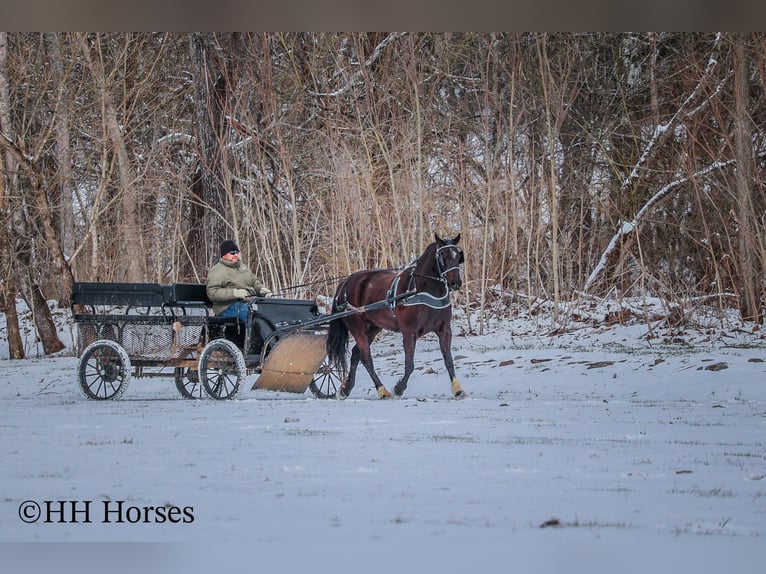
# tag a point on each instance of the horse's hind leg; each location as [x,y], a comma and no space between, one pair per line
[361,352]
[345,389]
[365,355]
[379,386]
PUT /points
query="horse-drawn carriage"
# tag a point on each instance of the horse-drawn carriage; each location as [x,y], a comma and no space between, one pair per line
[150,330]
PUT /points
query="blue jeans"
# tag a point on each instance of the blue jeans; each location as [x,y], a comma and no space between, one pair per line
[239,309]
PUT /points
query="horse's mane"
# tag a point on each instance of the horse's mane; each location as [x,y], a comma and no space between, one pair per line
[429,253]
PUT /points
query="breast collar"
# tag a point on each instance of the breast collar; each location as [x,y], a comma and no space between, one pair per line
[417,298]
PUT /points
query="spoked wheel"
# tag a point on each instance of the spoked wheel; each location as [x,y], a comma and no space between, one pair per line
[221,369]
[326,381]
[104,370]
[187,383]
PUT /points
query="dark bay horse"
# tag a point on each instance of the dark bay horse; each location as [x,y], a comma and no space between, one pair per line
[418,303]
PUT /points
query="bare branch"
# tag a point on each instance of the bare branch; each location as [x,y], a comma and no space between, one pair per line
[628,227]
[369,62]
[661,131]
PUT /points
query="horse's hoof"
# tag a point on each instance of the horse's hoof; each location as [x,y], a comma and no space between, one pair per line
[457,390]
[460,395]
[383,393]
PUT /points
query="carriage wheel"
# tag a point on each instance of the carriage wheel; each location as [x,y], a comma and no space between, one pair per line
[221,369]
[104,370]
[326,382]
[187,383]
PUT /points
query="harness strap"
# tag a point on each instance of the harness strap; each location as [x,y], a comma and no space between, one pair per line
[428,300]
[418,298]
[391,293]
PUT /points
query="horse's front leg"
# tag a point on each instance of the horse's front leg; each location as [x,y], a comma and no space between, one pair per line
[409,340]
[445,344]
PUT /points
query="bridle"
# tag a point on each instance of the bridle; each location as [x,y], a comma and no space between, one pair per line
[441,268]
[440,261]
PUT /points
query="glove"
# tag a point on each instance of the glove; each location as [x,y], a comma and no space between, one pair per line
[266,293]
[241,294]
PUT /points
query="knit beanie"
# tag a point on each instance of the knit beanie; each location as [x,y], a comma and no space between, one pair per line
[227,246]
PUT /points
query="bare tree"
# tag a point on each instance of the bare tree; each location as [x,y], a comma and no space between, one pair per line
[750,273]
[130,236]
[25,181]
[62,191]
[8,281]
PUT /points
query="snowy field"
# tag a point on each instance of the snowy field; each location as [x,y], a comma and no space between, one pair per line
[594,449]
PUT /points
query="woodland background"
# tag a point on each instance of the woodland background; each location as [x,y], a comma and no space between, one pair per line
[573,165]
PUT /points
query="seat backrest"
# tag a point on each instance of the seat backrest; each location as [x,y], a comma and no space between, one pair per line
[187,294]
[117,294]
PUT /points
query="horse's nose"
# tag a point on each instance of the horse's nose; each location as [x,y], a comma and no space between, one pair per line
[455,284]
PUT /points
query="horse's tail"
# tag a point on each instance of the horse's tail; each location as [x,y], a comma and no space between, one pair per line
[337,343]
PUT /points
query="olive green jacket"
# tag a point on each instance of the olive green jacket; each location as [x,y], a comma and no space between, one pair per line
[224,277]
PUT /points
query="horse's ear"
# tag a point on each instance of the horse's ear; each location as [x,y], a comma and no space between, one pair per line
[457,238]
[438,239]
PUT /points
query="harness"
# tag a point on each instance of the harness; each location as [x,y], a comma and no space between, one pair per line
[417,298]
[422,298]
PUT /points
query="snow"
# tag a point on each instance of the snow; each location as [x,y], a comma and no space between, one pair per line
[602,446]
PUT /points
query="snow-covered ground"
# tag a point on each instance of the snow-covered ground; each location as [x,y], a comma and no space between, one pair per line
[588,446]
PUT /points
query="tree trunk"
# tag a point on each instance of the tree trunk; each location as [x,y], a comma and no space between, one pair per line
[552,136]
[61,192]
[749,274]
[207,226]
[23,270]
[44,324]
[7,281]
[15,344]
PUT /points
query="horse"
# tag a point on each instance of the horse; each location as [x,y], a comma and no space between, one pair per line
[417,302]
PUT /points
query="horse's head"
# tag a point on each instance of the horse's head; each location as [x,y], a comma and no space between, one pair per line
[448,260]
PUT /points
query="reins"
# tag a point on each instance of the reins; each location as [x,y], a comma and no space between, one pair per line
[417,299]
[331,280]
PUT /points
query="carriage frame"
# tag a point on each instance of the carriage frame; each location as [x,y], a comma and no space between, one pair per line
[140,330]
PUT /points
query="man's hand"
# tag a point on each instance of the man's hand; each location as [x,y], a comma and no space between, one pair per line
[266,293]
[243,294]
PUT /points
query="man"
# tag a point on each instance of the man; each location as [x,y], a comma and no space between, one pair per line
[230,284]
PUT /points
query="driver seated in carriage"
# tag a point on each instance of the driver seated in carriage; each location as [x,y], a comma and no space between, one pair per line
[230,284]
